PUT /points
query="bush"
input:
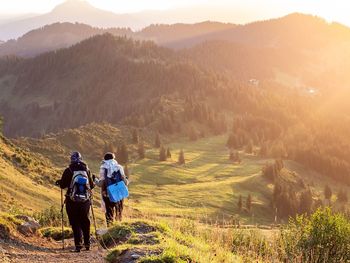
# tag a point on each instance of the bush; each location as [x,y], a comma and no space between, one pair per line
[115,235]
[51,217]
[322,237]
[56,233]
[250,244]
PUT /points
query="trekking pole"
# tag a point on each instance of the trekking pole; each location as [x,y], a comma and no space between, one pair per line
[93,216]
[62,219]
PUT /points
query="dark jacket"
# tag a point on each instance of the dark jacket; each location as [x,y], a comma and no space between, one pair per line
[67,175]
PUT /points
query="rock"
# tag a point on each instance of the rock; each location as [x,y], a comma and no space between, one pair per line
[25,218]
[101,232]
[135,256]
[29,228]
[4,232]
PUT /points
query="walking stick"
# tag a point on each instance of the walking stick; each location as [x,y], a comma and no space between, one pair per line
[62,219]
[93,216]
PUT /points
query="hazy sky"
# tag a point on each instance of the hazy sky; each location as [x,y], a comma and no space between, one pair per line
[222,10]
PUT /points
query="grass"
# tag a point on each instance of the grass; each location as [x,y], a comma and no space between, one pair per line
[8,225]
[179,241]
[207,186]
[56,232]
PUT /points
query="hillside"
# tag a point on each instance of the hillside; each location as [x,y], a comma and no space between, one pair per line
[68,11]
[53,37]
[285,33]
[169,189]
[61,35]
[54,84]
[26,180]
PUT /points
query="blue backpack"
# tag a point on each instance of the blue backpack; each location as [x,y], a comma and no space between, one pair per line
[116,188]
[80,187]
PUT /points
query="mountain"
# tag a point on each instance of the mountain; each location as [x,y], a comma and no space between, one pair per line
[173,35]
[53,37]
[69,11]
[110,68]
[61,35]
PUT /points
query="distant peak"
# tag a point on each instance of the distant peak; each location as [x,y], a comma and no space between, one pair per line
[73,4]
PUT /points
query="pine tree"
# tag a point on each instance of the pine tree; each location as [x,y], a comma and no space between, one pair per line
[193,134]
[126,171]
[141,150]
[249,202]
[342,196]
[232,141]
[162,154]
[123,156]
[249,147]
[182,157]
[157,141]
[168,153]
[263,150]
[327,193]
[306,201]
[240,203]
[135,136]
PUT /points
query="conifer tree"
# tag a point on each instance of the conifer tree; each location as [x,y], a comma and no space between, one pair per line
[168,153]
[240,203]
[141,150]
[249,203]
[342,196]
[135,136]
[306,201]
[327,193]
[162,154]
[193,134]
[126,171]
[249,147]
[232,141]
[123,155]
[182,157]
[157,141]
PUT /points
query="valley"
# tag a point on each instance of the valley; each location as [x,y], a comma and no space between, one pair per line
[234,137]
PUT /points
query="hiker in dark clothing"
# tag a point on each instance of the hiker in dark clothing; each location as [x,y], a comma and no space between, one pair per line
[77,178]
[108,167]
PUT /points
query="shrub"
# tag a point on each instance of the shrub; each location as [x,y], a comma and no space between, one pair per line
[322,237]
[250,244]
[56,233]
[51,217]
[115,235]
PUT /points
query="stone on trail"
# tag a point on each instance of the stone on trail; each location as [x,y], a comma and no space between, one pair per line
[29,227]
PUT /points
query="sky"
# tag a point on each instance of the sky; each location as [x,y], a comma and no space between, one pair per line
[235,11]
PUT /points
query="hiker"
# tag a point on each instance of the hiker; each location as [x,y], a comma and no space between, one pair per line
[77,178]
[110,173]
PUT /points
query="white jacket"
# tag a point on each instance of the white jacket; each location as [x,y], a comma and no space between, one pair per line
[111,166]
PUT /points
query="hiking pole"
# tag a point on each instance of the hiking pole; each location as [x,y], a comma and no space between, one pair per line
[62,219]
[93,216]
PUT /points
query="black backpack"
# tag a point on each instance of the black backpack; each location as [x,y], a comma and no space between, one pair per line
[79,190]
[116,178]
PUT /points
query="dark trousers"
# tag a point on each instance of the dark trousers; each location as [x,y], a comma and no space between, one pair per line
[78,215]
[110,208]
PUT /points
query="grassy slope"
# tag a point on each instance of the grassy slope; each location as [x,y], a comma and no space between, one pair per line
[206,188]
[21,180]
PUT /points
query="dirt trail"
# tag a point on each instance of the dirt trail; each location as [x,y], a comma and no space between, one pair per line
[36,249]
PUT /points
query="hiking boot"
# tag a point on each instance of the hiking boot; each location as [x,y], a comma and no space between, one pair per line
[76,250]
[87,248]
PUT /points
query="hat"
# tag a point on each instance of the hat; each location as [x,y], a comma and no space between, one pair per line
[109,156]
[76,157]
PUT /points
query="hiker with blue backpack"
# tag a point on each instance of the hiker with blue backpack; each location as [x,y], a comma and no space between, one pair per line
[77,178]
[113,183]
